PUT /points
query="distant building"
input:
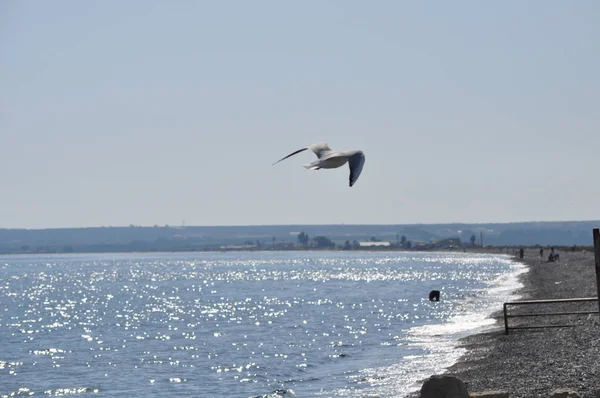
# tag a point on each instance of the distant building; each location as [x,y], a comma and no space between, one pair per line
[374,244]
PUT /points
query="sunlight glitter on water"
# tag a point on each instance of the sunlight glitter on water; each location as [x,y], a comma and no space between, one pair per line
[245,324]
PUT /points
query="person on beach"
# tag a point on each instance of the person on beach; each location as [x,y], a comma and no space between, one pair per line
[521,252]
[541,252]
[554,255]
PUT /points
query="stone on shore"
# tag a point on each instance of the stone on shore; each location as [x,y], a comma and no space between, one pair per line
[489,394]
[564,393]
[444,386]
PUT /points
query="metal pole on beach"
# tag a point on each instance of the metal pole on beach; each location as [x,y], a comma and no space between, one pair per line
[597,258]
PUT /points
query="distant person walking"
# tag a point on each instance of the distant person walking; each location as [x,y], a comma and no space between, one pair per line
[541,252]
[521,253]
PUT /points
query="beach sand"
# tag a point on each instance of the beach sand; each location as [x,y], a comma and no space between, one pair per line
[534,362]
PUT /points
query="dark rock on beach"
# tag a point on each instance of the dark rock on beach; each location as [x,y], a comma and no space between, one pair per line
[444,386]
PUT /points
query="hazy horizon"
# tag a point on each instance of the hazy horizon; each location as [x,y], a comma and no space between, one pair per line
[174,225]
[148,112]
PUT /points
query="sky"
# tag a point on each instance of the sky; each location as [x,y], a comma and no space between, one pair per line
[153,112]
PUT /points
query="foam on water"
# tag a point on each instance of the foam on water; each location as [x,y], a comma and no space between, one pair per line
[439,343]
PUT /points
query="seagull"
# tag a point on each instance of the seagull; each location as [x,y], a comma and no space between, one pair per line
[328,159]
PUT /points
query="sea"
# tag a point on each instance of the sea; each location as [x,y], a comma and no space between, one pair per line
[241,324]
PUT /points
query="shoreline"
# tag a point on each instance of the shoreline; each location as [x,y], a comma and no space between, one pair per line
[535,362]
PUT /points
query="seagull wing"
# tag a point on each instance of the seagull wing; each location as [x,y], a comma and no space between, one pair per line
[356,160]
[291,154]
[321,149]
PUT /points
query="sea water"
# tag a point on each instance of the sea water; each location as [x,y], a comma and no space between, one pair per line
[243,324]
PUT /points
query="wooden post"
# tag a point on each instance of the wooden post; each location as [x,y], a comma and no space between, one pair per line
[597,258]
[505,320]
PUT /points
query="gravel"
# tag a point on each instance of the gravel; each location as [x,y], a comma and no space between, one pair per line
[534,362]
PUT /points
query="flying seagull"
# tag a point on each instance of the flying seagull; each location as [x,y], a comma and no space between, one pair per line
[328,159]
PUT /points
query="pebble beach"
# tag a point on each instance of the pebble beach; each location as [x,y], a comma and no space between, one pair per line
[536,362]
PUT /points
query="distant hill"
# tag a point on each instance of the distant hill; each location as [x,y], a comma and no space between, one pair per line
[135,238]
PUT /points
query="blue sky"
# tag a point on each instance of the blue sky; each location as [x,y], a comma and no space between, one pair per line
[148,112]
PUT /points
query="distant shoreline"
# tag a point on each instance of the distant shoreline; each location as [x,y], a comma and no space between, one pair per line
[505,250]
[421,237]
